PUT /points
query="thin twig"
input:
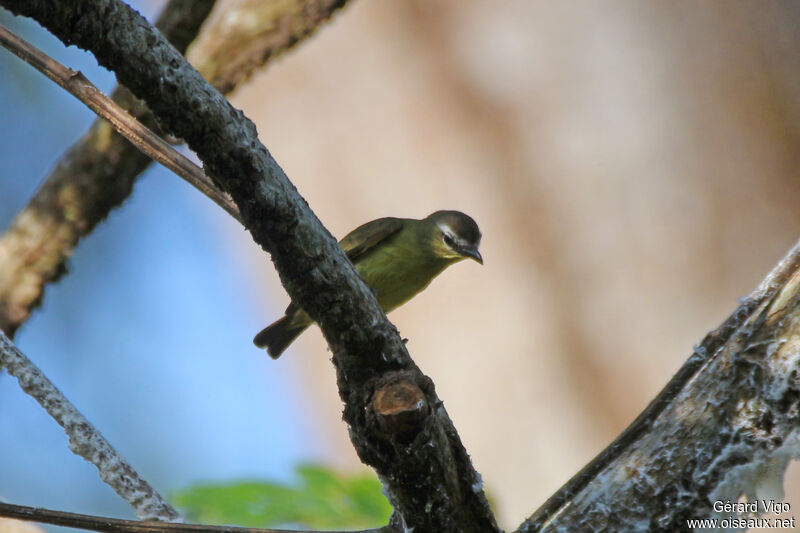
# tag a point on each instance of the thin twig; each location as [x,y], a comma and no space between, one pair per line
[115,525]
[143,138]
[84,439]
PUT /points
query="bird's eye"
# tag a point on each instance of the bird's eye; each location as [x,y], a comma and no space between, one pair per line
[448,240]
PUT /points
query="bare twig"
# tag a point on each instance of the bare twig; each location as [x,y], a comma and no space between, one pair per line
[84,439]
[115,525]
[143,138]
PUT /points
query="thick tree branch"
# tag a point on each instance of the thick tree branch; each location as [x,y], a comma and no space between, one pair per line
[139,135]
[97,174]
[84,439]
[115,525]
[725,426]
[428,475]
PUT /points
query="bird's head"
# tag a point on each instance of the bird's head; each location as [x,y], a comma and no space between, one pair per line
[456,236]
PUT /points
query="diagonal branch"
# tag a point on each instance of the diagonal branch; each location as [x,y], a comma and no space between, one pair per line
[115,525]
[428,476]
[97,174]
[724,427]
[84,439]
[139,135]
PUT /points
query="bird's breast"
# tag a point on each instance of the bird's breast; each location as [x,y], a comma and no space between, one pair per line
[397,274]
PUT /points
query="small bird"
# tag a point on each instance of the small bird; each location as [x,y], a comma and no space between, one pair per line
[397,258]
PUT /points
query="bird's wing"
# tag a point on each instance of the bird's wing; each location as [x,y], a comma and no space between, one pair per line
[363,239]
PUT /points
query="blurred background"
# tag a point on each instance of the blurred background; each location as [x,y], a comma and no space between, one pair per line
[634,168]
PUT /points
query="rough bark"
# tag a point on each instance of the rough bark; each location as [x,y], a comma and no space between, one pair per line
[724,427]
[97,174]
[429,479]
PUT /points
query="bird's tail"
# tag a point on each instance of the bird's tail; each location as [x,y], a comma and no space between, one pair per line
[279,335]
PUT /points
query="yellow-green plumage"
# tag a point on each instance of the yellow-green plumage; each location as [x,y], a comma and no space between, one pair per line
[397,258]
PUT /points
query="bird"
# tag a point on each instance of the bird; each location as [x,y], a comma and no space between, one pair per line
[397,258]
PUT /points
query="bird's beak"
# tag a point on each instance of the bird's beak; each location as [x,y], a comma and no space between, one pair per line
[472,253]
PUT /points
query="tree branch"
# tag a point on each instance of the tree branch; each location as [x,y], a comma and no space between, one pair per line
[427,474]
[139,135]
[97,174]
[84,439]
[115,525]
[238,41]
[725,426]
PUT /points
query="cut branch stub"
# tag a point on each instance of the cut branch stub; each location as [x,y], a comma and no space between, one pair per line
[407,436]
[399,407]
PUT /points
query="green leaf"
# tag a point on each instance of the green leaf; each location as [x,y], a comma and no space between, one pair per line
[320,499]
